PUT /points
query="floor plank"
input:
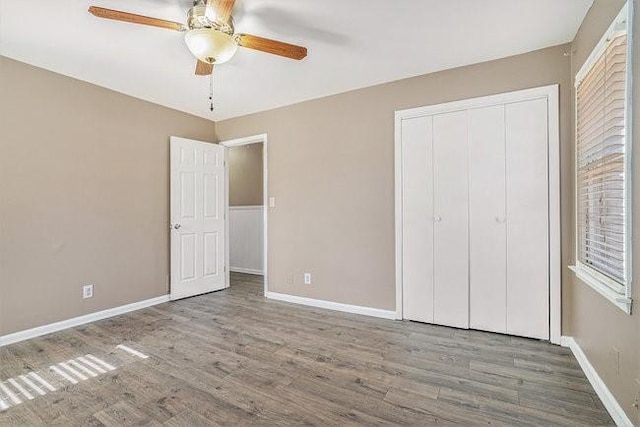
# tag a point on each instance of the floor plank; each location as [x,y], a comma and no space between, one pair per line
[235,358]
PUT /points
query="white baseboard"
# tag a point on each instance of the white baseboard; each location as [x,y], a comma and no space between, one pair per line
[355,309]
[246,271]
[608,399]
[81,320]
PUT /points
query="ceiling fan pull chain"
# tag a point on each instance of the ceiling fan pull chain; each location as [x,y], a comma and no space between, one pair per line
[211,91]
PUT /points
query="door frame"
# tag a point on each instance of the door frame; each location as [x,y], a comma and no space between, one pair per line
[551,94]
[255,139]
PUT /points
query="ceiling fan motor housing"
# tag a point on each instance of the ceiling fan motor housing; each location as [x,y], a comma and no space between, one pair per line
[197,18]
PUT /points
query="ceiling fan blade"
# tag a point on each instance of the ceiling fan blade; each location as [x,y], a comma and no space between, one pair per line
[222,8]
[117,15]
[272,46]
[203,68]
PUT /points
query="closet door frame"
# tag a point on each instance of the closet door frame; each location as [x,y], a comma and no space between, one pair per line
[550,93]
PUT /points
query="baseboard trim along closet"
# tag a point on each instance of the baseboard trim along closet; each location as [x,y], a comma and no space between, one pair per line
[329,305]
[81,320]
[246,271]
[608,399]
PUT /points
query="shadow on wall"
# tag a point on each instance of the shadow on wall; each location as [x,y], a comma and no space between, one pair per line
[245,175]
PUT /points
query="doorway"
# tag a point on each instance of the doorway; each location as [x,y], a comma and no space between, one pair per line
[247,213]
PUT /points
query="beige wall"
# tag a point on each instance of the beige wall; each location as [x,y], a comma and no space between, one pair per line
[84,196]
[331,172]
[598,325]
[245,175]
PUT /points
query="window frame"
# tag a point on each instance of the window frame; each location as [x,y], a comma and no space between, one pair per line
[617,293]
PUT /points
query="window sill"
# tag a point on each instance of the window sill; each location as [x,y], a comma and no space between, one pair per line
[620,301]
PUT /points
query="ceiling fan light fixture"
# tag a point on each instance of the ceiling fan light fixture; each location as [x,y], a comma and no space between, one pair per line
[210,45]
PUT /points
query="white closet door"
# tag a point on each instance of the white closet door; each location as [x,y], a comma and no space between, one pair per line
[417,214]
[451,220]
[488,239]
[527,219]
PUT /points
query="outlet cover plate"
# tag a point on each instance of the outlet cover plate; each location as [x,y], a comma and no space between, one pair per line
[87,291]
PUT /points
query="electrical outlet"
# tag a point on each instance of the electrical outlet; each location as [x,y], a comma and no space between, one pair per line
[87,291]
[636,401]
[307,278]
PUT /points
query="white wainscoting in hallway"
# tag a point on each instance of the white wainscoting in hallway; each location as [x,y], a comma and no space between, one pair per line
[246,239]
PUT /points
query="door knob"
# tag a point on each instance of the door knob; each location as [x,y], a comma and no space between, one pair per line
[176,226]
[500,220]
[437,218]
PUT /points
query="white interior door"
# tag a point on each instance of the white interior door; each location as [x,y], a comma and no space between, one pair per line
[488,235]
[451,220]
[198,258]
[417,212]
[527,218]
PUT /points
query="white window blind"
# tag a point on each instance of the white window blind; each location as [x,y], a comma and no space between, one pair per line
[601,164]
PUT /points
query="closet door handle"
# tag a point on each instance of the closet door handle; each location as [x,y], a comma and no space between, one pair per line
[500,220]
[437,218]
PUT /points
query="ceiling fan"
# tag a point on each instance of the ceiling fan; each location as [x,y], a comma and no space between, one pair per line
[210,34]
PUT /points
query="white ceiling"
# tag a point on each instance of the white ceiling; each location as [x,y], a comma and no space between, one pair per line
[352,44]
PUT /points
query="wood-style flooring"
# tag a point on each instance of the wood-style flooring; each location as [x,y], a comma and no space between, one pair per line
[235,358]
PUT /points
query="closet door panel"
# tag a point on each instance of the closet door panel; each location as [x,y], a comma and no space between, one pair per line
[527,219]
[451,220]
[417,219]
[488,239]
